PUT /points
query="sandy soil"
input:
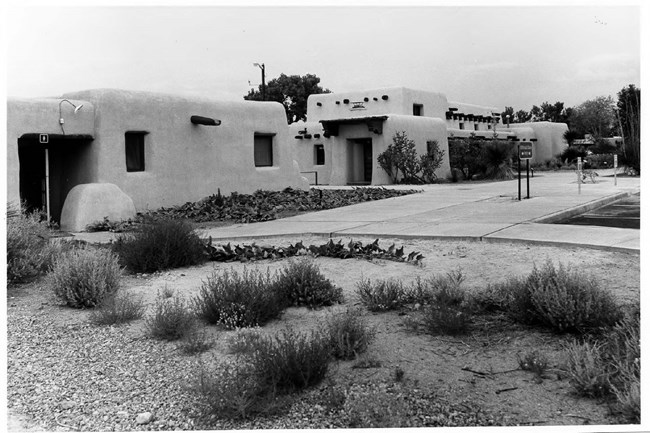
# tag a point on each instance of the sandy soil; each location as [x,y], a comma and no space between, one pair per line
[481,367]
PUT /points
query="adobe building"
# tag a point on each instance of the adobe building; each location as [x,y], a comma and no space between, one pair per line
[346,132]
[110,153]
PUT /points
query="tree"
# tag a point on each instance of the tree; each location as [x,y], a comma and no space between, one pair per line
[401,156]
[522,116]
[595,117]
[291,91]
[628,110]
[552,112]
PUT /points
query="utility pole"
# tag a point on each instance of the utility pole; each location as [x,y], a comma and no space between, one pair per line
[263,79]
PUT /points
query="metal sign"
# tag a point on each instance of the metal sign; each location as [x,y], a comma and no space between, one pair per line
[525,151]
[43,138]
[615,161]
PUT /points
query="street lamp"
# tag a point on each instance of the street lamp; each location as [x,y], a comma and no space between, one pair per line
[263,83]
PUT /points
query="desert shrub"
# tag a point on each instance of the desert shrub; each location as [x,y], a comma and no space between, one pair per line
[383,295]
[568,301]
[559,298]
[302,284]
[195,341]
[348,333]
[83,277]
[275,365]
[159,244]
[117,309]
[244,340]
[586,370]
[290,360]
[622,352]
[610,366]
[231,388]
[496,158]
[171,319]
[448,307]
[234,301]
[29,251]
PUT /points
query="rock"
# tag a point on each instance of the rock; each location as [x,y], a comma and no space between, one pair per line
[144,418]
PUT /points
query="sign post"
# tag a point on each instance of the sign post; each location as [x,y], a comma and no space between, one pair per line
[525,151]
[615,166]
[579,173]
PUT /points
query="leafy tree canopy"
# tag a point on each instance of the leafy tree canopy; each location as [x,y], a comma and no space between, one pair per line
[291,91]
[595,117]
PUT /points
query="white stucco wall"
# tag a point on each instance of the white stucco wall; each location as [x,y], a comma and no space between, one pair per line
[183,161]
[399,100]
[549,135]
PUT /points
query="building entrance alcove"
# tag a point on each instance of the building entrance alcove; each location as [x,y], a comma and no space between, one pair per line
[48,171]
[360,161]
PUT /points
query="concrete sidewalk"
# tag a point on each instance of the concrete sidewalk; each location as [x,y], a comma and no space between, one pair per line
[467,211]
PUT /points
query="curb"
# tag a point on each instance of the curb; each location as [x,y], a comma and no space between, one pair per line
[571,212]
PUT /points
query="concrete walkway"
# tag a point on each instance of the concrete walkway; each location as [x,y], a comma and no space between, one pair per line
[466,211]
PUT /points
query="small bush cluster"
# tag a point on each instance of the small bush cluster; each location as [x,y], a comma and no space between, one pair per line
[449,310]
[29,251]
[445,306]
[559,298]
[83,277]
[117,309]
[254,298]
[348,333]
[302,284]
[159,244]
[382,295]
[610,366]
[273,365]
[236,300]
[171,320]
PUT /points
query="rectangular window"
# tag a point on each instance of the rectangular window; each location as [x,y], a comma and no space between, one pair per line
[431,146]
[461,125]
[476,127]
[263,150]
[134,150]
[319,154]
[417,109]
[489,126]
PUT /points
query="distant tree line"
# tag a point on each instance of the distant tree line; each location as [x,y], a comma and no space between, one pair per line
[600,118]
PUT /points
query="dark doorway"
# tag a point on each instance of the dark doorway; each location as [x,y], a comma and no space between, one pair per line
[360,161]
[68,161]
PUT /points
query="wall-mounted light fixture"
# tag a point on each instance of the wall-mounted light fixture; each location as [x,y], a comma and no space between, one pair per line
[76,110]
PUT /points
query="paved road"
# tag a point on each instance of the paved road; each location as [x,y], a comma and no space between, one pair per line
[624,213]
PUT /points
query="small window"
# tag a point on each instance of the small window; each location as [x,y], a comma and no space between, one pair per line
[476,127]
[319,154]
[461,125]
[263,150]
[417,109]
[134,150]
[489,126]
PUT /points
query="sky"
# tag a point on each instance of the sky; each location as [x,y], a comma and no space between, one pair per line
[505,55]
